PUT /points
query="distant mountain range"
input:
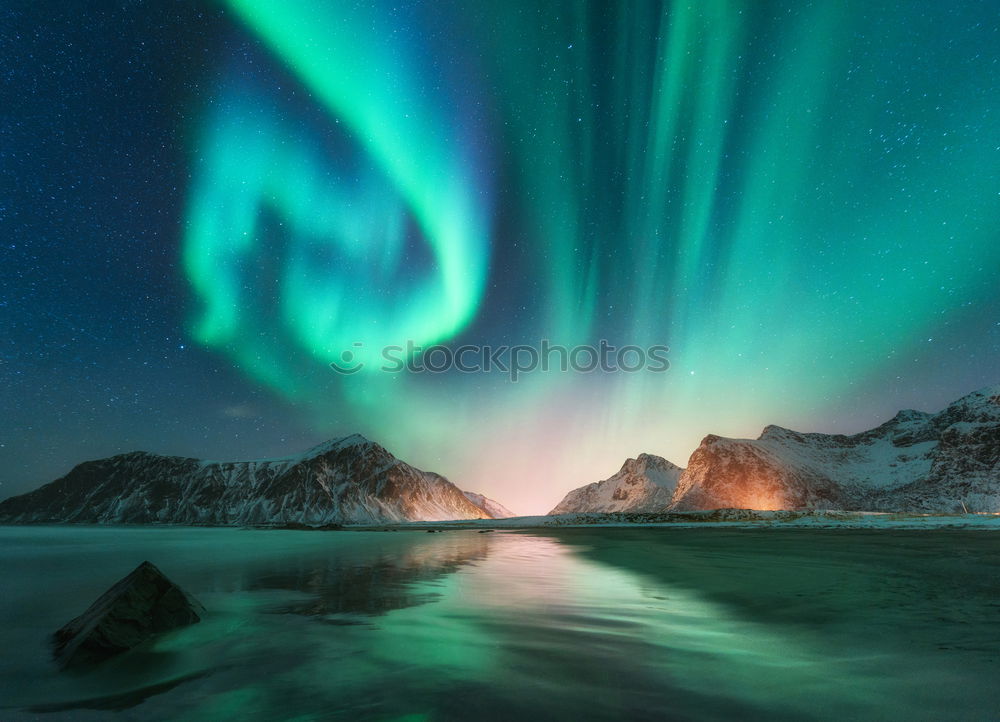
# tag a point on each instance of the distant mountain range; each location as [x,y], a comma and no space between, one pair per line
[495,509]
[943,462]
[349,480]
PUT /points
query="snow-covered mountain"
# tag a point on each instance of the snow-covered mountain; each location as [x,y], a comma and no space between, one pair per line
[349,480]
[646,483]
[495,509]
[915,462]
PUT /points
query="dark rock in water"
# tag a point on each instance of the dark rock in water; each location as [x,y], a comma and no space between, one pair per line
[140,606]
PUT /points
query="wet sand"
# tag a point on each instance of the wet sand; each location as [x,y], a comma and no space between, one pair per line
[931,595]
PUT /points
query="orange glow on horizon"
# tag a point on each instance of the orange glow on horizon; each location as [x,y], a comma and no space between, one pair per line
[763,494]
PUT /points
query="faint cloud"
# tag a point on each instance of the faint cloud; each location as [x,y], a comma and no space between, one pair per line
[240,411]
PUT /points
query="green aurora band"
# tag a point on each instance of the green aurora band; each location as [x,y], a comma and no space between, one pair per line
[795,197]
[346,236]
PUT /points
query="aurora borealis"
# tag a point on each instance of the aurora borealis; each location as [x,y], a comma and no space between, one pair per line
[347,215]
[800,199]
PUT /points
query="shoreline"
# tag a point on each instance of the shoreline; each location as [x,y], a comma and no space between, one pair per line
[717,518]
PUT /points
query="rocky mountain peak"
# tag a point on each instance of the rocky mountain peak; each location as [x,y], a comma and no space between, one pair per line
[914,461]
[643,483]
[347,480]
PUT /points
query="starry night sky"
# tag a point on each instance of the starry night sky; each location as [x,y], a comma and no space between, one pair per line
[203,203]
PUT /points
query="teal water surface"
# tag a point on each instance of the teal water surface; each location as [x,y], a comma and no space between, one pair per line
[580,624]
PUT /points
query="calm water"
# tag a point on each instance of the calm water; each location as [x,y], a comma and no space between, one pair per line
[583,624]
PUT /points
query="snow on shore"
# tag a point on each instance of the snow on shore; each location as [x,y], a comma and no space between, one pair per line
[748,518]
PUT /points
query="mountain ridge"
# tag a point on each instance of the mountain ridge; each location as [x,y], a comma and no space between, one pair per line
[492,507]
[915,461]
[345,480]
